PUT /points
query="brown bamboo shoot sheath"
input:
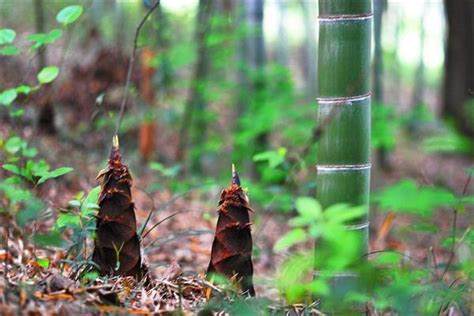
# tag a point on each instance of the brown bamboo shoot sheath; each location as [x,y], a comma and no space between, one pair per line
[117,245]
[232,247]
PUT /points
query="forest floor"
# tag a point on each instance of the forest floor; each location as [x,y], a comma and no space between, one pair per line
[178,250]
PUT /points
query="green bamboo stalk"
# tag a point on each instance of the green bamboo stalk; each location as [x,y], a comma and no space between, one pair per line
[343,169]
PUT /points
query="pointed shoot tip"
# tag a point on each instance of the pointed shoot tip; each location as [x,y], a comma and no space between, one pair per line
[235,176]
[115,141]
[114,151]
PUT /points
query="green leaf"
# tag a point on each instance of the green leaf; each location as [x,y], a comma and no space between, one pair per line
[406,197]
[89,206]
[449,142]
[91,276]
[48,74]
[44,263]
[170,172]
[37,168]
[343,213]
[74,203]
[291,238]
[9,50]
[8,96]
[53,36]
[68,220]
[273,157]
[308,208]
[14,144]
[30,212]
[12,168]
[293,274]
[69,14]
[29,152]
[16,113]
[54,174]
[40,39]
[49,239]
[7,36]
[24,89]
[14,193]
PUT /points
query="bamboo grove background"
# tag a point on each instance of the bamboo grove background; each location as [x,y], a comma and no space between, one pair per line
[348,122]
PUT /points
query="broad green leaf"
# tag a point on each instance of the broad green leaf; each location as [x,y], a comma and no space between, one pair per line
[30,212]
[55,173]
[91,276]
[8,96]
[388,258]
[89,206]
[53,238]
[292,276]
[40,39]
[24,89]
[53,36]
[9,50]
[383,126]
[14,193]
[69,14]
[14,144]
[12,168]
[273,157]
[7,36]
[343,213]
[48,74]
[37,168]
[449,142]
[74,203]
[467,200]
[44,263]
[407,197]
[68,220]
[319,287]
[16,113]
[167,172]
[29,152]
[308,207]
[291,238]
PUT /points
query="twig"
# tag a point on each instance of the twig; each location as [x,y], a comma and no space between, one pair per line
[168,203]
[130,67]
[161,221]
[212,286]
[177,235]
[435,262]
[161,207]
[455,218]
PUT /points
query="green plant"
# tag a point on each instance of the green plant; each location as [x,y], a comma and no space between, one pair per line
[338,249]
[80,218]
[26,172]
[391,280]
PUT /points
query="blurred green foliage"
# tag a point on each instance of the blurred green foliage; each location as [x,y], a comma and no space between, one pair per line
[18,200]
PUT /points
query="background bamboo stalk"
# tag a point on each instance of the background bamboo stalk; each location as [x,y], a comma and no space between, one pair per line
[343,170]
